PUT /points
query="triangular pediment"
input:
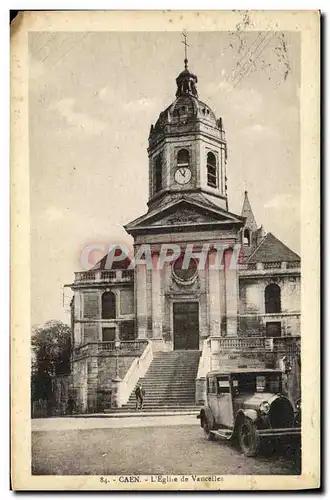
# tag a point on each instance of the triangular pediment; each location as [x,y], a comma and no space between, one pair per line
[184,213]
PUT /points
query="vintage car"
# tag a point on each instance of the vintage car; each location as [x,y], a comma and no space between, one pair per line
[247,405]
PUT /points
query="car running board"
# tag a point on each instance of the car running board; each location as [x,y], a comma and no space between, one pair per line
[223,433]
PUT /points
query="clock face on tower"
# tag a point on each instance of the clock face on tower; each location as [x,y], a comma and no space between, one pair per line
[182,175]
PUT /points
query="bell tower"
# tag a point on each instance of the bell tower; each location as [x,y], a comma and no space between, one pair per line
[187,148]
[183,299]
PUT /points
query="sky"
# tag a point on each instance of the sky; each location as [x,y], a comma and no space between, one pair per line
[92,99]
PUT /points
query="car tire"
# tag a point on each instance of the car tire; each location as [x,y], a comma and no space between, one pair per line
[248,438]
[207,432]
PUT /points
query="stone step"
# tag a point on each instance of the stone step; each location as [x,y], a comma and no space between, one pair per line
[128,412]
[164,399]
[164,394]
[164,405]
[169,383]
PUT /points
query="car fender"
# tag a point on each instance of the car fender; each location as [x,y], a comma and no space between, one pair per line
[207,414]
[249,413]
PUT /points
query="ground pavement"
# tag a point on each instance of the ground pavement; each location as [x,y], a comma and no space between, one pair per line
[148,445]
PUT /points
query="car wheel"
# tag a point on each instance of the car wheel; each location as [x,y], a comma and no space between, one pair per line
[207,433]
[248,438]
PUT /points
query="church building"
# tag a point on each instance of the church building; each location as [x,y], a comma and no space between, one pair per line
[173,309]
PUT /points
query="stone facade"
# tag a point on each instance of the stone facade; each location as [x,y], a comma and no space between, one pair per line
[254,294]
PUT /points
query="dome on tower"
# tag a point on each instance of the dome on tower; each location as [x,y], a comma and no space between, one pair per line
[187,109]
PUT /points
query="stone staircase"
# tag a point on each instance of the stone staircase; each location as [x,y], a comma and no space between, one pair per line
[169,383]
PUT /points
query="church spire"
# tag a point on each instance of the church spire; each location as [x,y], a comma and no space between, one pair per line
[184,41]
[186,81]
[250,222]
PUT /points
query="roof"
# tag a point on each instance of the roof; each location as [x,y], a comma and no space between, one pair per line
[247,212]
[243,371]
[117,264]
[272,249]
[201,210]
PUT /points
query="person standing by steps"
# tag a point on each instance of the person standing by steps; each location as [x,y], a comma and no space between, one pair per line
[139,394]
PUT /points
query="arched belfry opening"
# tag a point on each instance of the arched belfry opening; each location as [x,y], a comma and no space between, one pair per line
[211,165]
[183,158]
[246,237]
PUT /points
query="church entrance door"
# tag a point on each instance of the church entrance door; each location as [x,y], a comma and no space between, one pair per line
[186,325]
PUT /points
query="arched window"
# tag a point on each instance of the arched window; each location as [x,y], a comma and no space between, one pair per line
[158,173]
[272,298]
[246,238]
[108,305]
[212,179]
[183,158]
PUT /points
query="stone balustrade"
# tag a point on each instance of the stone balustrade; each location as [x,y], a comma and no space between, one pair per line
[95,348]
[274,344]
[104,276]
[266,268]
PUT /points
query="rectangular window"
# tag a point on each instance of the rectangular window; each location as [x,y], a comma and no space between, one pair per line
[212,385]
[158,173]
[108,334]
[127,330]
[223,386]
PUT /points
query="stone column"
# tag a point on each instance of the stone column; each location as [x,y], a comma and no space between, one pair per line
[231,294]
[141,300]
[156,300]
[214,301]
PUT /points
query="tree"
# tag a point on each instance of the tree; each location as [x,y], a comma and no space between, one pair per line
[51,352]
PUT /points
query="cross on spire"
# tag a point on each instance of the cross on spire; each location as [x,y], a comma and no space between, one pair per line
[184,34]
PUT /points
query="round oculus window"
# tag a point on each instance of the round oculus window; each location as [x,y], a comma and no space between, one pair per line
[183,271]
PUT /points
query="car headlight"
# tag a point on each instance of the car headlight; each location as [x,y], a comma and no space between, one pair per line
[298,405]
[264,407]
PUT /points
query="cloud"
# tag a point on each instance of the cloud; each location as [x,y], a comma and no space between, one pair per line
[143,103]
[258,128]
[76,120]
[283,201]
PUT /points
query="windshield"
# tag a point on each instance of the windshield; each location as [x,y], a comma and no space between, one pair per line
[251,383]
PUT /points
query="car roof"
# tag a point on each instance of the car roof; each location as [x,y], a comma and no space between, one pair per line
[235,371]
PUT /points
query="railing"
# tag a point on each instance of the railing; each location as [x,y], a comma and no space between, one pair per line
[275,344]
[93,348]
[272,265]
[102,275]
[137,370]
[240,342]
[85,276]
[205,359]
[128,274]
[293,264]
[108,275]
[205,365]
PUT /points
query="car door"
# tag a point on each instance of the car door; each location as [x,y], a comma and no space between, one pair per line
[212,398]
[224,401]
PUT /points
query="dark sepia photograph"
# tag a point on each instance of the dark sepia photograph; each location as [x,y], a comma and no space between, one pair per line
[165,171]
